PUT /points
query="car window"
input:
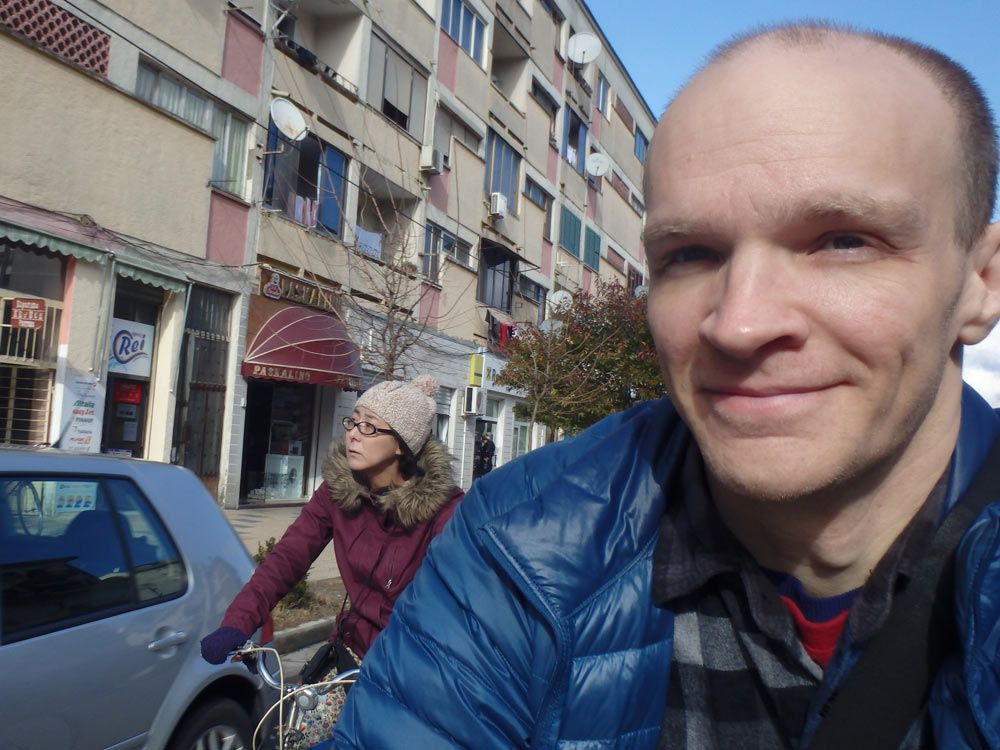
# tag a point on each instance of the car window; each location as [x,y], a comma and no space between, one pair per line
[73,550]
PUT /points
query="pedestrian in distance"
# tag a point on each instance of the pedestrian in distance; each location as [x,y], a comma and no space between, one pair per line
[388,490]
[484,454]
[801,546]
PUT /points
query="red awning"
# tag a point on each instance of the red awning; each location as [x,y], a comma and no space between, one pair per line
[299,344]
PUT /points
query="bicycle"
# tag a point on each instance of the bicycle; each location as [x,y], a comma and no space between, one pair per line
[28,505]
[300,698]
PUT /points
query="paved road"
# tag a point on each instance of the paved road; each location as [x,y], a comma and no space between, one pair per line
[257,525]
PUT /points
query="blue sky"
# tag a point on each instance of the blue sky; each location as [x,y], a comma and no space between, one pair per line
[661,43]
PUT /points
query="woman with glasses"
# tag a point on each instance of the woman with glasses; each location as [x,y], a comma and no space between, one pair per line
[388,490]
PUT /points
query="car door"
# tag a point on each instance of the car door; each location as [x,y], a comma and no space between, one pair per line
[93,612]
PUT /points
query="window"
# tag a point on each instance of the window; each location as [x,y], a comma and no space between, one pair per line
[634,279]
[438,242]
[503,166]
[616,259]
[396,88]
[493,408]
[522,440]
[547,103]
[497,271]
[306,181]
[592,249]
[448,126]
[74,550]
[636,204]
[641,144]
[229,162]
[543,200]
[574,140]
[464,26]
[533,292]
[201,385]
[569,231]
[601,97]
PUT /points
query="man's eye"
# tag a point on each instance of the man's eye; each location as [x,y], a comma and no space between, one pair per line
[844,242]
[690,254]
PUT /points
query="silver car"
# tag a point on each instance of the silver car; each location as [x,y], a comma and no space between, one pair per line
[111,570]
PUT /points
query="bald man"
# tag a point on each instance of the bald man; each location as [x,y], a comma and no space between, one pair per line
[707,571]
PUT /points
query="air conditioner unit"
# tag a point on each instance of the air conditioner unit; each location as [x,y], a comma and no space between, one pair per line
[498,205]
[473,403]
[433,165]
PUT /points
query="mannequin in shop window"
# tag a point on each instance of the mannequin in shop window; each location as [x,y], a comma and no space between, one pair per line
[388,490]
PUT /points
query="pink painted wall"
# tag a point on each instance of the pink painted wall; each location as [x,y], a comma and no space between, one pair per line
[243,53]
[552,168]
[588,277]
[557,72]
[546,257]
[448,61]
[430,305]
[440,187]
[595,122]
[67,314]
[227,230]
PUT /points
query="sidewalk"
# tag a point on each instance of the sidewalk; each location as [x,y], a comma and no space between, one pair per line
[255,525]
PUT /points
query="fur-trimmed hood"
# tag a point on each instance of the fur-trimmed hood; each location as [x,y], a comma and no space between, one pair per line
[414,502]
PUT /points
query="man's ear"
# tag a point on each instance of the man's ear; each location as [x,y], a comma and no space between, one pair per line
[982,295]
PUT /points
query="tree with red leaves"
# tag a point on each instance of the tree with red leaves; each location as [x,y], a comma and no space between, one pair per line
[594,359]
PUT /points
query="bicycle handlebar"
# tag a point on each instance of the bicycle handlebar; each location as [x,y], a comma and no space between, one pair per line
[251,652]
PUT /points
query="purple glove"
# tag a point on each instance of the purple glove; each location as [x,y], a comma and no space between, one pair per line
[216,646]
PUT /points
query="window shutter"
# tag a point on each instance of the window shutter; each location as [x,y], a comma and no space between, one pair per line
[331,189]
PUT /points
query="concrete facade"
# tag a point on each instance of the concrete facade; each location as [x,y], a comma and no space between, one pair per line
[142,164]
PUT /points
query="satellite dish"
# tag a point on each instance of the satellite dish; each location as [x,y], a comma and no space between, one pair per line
[560,300]
[288,120]
[597,164]
[550,326]
[583,47]
[640,291]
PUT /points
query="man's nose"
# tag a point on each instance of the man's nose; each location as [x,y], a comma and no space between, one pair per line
[757,304]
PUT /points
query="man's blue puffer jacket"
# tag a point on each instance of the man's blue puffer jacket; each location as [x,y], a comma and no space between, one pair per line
[530,625]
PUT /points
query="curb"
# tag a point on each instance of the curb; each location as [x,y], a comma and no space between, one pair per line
[306,634]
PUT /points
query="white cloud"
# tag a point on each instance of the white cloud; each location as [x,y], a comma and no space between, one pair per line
[982,367]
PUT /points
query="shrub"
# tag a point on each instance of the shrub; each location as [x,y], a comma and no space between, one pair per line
[298,596]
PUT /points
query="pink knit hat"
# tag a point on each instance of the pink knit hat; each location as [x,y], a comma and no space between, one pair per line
[407,407]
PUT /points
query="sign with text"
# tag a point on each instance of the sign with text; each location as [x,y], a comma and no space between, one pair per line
[27,313]
[84,408]
[131,347]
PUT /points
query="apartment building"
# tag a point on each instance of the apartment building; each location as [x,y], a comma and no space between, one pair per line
[224,219]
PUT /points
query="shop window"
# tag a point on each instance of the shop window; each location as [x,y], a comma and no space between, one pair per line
[574,140]
[277,439]
[503,166]
[25,402]
[229,160]
[396,88]
[306,181]
[521,443]
[493,408]
[32,272]
[201,385]
[462,24]
[497,271]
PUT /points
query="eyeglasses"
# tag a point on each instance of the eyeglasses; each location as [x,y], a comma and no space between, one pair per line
[365,428]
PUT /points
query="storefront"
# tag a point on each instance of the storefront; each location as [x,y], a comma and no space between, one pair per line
[298,355]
